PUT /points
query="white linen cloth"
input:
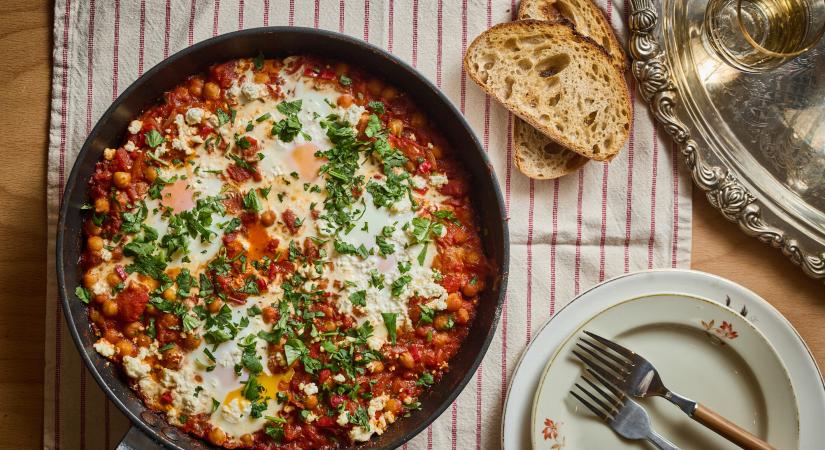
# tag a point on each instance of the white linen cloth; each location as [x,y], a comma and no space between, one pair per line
[607,219]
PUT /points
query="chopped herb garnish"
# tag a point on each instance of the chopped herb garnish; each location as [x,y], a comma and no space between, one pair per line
[153,138]
[390,322]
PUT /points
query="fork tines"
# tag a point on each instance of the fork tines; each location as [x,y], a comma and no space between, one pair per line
[613,366]
[607,403]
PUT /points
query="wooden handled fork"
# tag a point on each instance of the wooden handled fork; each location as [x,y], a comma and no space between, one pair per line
[636,377]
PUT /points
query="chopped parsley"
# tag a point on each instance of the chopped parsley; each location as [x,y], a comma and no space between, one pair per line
[153,138]
[390,322]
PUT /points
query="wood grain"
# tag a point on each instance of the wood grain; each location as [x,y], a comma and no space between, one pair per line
[25,51]
[25,46]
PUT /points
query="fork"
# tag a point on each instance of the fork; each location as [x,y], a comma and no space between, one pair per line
[636,377]
[626,417]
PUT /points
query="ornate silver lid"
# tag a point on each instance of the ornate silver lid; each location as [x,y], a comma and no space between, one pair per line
[755,143]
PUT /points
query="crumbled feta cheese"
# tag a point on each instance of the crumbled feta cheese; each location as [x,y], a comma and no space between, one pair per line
[194,116]
[234,91]
[418,182]
[109,153]
[213,120]
[311,417]
[438,179]
[135,367]
[351,115]
[339,378]
[135,126]
[343,418]
[130,146]
[105,254]
[309,389]
[233,412]
[253,91]
[105,348]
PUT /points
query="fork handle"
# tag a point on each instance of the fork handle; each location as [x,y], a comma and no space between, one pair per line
[728,429]
[660,442]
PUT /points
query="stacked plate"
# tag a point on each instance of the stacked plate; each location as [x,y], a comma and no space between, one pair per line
[711,340]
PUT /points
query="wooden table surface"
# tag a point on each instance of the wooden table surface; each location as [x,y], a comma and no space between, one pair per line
[25,51]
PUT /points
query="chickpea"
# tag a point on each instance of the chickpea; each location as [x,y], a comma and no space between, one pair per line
[217,436]
[89,280]
[311,401]
[437,152]
[262,78]
[462,316]
[95,243]
[191,342]
[247,439]
[345,101]
[329,326]
[101,205]
[407,361]
[441,322]
[172,358]
[144,340]
[454,302]
[389,93]
[126,348]
[95,317]
[149,282]
[396,126]
[196,87]
[122,179]
[215,306]
[133,329]
[113,279]
[393,405]
[211,91]
[93,229]
[169,320]
[150,173]
[418,120]
[375,86]
[268,218]
[441,339]
[471,289]
[151,310]
[112,335]
[269,314]
[169,294]
[110,308]
[100,298]
[375,367]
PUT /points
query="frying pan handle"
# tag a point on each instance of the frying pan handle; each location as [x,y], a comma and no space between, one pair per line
[135,439]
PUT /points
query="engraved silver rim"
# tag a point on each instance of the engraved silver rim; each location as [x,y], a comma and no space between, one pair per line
[721,185]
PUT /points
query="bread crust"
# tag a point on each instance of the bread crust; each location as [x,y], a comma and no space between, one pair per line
[548,10]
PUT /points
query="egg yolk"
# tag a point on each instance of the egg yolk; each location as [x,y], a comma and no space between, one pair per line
[270,384]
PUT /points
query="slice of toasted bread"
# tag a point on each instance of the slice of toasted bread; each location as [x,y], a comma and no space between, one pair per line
[536,155]
[539,157]
[557,80]
[587,18]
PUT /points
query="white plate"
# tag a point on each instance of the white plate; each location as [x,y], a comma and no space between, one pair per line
[702,349]
[805,377]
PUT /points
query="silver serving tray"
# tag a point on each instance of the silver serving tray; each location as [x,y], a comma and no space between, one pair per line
[754,143]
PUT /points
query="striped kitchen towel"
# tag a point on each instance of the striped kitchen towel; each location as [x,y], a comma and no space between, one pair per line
[606,219]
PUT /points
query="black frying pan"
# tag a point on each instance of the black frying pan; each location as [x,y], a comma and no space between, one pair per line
[150,430]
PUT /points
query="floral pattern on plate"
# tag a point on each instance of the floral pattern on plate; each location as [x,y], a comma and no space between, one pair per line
[724,330]
[551,433]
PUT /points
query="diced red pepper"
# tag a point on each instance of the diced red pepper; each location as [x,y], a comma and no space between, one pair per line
[425,167]
[121,272]
[325,422]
